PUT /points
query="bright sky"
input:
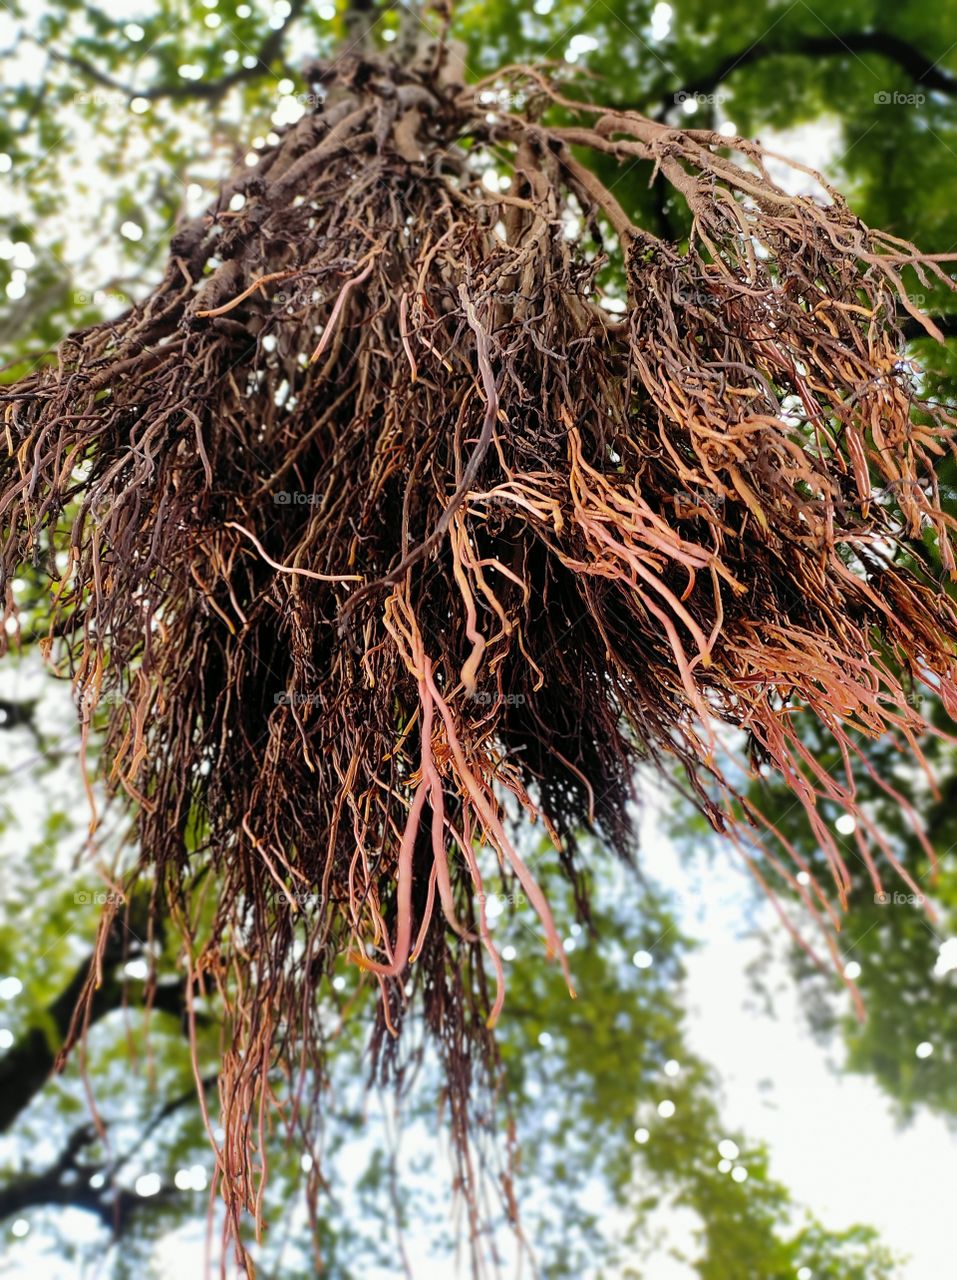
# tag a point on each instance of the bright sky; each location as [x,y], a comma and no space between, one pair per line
[904,1180]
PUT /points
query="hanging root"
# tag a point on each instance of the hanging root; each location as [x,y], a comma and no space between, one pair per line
[380,530]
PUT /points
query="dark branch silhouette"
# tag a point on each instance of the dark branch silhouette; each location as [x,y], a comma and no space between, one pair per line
[67,1181]
[947,324]
[203,90]
[27,1066]
[922,70]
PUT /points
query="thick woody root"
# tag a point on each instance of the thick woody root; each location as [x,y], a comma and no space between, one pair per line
[381,532]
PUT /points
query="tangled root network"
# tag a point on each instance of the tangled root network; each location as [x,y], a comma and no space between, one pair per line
[374,531]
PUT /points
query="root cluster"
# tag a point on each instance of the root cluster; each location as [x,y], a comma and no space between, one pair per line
[374,531]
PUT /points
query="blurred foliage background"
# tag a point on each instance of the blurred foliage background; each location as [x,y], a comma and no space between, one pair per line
[117,121]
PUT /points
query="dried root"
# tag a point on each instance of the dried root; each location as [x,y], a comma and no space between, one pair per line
[379,529]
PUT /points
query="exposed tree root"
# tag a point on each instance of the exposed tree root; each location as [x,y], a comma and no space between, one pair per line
[371,516]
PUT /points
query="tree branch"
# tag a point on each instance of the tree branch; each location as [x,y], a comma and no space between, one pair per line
[48,1188]
[67,1181]
[922,70]
[27,1066]
[947,324]
[202,90]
